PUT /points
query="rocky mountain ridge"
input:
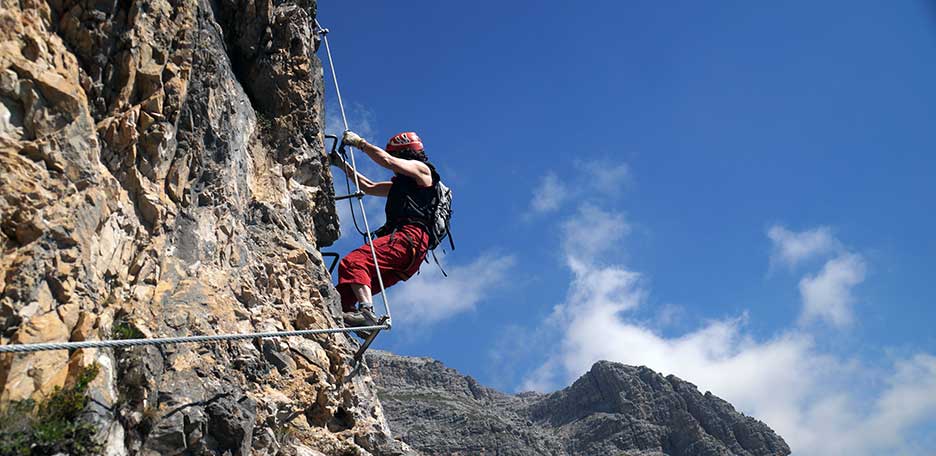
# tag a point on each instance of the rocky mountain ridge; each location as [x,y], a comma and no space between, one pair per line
[612,409]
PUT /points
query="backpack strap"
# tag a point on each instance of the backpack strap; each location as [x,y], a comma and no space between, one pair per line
[437,264]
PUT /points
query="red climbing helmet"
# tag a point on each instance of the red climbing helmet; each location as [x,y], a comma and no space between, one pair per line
[405,140]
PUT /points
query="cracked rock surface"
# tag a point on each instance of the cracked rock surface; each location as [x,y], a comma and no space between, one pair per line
[163,174]
[612,409]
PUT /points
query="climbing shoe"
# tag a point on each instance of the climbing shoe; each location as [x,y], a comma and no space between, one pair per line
[363,317]
[353,319]
[369,316]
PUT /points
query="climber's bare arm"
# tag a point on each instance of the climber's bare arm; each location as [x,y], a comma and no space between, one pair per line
[339,162]
[368,186]
[412,168]
[415,169]
[377,188]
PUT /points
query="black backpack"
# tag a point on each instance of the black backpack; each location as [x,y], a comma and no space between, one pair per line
[441,217]
[430,209]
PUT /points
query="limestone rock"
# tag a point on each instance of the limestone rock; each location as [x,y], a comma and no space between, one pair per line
[35,375]
[163,174]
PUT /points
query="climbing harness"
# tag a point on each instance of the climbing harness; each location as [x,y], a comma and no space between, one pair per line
[373,331]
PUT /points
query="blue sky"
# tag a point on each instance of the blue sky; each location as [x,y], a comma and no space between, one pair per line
[739,194]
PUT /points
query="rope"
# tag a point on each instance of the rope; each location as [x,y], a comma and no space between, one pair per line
[357,185]
[120,343]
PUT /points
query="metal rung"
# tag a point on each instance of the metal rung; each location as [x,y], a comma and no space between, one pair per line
[334,261]
[353,195]
[383,324]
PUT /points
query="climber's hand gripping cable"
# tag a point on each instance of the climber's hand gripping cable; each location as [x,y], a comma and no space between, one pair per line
[352,139]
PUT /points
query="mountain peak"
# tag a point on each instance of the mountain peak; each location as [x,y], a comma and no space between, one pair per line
[612,409]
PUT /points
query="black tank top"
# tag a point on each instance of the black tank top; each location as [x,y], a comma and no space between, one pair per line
[408,203]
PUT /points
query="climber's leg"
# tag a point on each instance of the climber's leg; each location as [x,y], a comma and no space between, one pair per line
[354,274]
[362,293]
[357,273]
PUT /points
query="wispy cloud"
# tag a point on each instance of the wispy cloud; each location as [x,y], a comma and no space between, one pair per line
[592,232]
[430,298]
[591,180]
[791,248]
[361,119]
[820,402]
[548,195]
[828,294]
[607,178]
[909,399]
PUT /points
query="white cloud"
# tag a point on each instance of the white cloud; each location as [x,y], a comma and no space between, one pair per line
[544,378]
[594,180]
[910,398]
[670,315]
[605,177]
[791,248]
[592,232]
[820,403]
[827,295]
[429,298]
[548,195]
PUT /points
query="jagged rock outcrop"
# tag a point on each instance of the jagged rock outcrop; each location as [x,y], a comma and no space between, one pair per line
[612,409]
[162,174]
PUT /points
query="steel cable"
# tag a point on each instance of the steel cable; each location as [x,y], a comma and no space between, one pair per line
[357,185]
[120,343]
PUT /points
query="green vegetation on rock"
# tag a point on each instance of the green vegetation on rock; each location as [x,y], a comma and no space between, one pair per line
[124,330]
[52,426]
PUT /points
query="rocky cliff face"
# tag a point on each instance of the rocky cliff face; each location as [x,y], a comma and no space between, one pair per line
[612,409]
[162,174]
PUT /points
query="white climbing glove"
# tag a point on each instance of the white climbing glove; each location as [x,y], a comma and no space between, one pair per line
[351,138]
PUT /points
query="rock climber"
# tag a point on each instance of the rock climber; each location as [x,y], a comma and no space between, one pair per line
[401,244]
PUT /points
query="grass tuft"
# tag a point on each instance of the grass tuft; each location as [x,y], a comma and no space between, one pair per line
[52,426]
[123,330]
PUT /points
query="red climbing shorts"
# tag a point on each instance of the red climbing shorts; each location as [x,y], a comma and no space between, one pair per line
[399,256]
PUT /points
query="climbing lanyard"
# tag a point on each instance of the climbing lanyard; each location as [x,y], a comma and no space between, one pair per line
[323,32]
